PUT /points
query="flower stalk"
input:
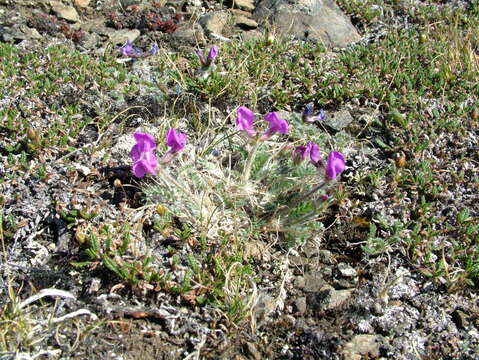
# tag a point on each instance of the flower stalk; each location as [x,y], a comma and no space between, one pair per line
[249,162]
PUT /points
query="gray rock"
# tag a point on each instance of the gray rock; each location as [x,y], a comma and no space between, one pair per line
[82,4]
[346,270]
[398,319]
[299,282]
[313,281]
[328,299]
[264,306]
[19,32]
[298,261]
[96,26]
[195,3]
[338,120]
[317,20]
[119,37]
[251,351]
[251,34]
[189,34]
[244,4]
[301,305]
[245,23]
[326,257]
[66,12]
[214,22]
[91,41]
[362,346]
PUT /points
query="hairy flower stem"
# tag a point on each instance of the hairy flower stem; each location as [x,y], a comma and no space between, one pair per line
[299,200]
[249,162]
[307,195]
[168,179]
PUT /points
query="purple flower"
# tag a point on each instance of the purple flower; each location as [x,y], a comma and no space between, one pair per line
[154,49]
[244,120]
[321,115]
[325,197]
[276,125]
[175,140]
[200,56]
[335,165]
[213,53]
[144,161]
[308,114]
[128,50]
[311,150]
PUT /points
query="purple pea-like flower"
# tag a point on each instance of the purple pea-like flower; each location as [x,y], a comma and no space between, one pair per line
[128,50]
[213,53]
[244,120]
[311,150]
[308,114]
[276,125]
[200,56]
[321,115]
[175,140]
[144,161]
[335,165]
[154,49]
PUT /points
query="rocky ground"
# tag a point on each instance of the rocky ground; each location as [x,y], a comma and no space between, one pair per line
[322,300]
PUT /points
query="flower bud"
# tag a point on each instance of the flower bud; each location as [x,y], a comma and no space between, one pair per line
[161,210]
[32,134]
[80,236]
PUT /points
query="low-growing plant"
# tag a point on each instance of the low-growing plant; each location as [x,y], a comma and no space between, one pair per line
[270,185]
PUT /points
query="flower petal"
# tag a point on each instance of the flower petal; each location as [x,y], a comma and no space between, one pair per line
[335,165]
[244,120]
[175,140]
[146,139]
[135,152]
[314,154]
[200,56]
[150,163]
[276,124]
[138,170]
[213,53]
[142,155]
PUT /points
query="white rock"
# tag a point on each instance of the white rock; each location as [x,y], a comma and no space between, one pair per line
[66,12]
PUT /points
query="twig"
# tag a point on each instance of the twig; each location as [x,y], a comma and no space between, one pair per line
[46,292]
[74,314]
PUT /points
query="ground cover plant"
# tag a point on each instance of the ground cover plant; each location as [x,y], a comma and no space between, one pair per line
[176,175]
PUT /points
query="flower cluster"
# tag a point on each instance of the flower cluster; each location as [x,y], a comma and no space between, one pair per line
[128,50]
[245,119]
[144,160]
[245,122]
[311,150]
[212,54]
[334,166]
